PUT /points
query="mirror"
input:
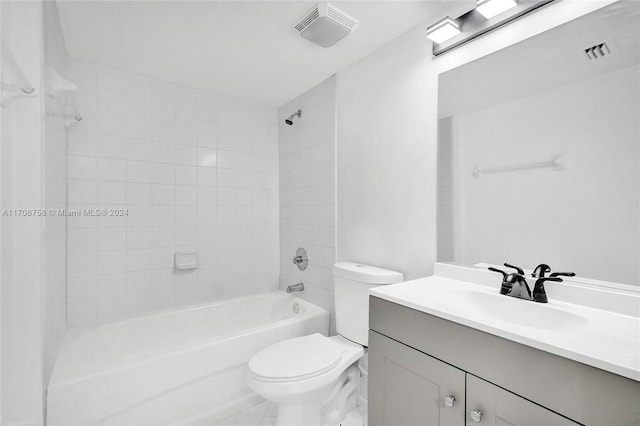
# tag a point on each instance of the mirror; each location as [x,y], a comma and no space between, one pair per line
[539,151]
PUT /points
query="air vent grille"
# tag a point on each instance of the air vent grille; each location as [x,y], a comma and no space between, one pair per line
[308,19]
[597,51]
[341,17]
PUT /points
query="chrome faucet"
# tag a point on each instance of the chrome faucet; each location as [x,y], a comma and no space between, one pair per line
[515,284]
[295,287]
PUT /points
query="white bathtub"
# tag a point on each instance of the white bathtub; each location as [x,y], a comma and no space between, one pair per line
[181,367]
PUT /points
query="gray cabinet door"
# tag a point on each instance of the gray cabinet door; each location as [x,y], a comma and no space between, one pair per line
[408,388]
[502,408]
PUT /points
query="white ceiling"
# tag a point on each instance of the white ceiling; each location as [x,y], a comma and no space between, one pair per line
[242,48]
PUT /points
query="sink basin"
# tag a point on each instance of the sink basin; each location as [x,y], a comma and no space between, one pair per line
[515,311]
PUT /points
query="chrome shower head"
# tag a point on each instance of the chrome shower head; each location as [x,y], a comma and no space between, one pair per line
[289,120]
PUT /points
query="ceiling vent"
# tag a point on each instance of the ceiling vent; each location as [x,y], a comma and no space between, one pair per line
[325,25]
[598,51]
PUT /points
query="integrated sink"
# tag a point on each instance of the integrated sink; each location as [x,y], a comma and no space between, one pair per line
[583,322]
[513,310]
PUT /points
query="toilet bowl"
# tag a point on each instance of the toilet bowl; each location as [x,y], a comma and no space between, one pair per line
[314,379]
[310,377]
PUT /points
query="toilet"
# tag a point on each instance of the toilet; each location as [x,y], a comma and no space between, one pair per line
[314,379]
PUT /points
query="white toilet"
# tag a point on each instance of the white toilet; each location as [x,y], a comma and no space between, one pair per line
[314,378]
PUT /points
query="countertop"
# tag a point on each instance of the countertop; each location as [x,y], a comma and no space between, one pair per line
[601,338]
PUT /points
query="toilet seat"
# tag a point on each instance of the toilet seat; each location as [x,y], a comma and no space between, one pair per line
[296,359]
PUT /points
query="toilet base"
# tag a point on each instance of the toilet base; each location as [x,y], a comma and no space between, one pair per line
[302,415]
[299,415]
[352,418]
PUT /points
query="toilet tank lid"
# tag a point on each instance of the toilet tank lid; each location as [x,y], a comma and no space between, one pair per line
[365,273]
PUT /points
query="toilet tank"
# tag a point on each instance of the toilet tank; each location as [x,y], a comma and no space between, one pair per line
[352,284]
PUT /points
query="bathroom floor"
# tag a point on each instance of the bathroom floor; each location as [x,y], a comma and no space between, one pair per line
[262,414]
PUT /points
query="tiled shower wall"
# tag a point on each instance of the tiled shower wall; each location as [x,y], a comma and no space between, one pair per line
[193,169]
[307,192]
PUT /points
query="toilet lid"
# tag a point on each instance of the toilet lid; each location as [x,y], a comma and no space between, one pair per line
[296,359]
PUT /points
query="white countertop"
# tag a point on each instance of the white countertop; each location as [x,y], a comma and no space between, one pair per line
[597,337]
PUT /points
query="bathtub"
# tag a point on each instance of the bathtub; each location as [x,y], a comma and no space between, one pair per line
[180,367]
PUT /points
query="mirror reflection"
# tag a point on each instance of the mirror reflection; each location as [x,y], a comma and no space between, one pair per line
[539,151]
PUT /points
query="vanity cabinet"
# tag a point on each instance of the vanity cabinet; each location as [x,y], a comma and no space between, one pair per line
[417,359]
[409,388]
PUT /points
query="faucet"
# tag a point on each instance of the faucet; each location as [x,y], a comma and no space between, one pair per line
[515,284]
[295,287]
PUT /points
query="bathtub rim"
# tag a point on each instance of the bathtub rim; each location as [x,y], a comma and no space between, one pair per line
[311,310]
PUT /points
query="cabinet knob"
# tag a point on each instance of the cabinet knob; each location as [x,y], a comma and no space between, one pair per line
[476,415]
[449,401]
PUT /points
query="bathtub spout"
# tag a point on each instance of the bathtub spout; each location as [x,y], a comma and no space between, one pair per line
[295,287]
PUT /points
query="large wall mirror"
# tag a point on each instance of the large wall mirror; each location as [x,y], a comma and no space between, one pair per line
[539,151]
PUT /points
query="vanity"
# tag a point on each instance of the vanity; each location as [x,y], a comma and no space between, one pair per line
[450,350]
[525,176]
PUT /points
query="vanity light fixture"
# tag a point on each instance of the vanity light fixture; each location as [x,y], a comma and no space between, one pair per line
[443,30]
[487,16]
[491,8]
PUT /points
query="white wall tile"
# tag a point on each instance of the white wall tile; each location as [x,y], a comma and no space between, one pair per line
[82,264]
[207,157]
[111,146]
[111,169]
[82,240]
[186,155]
[163,173]
[164,152]
[138,106]
[82,289]
[111,194]
[83,192]
[82,143]
[112,239]
[139,85]
[306,196]
[137,127]
[138,171]
[186,135]
[80,167]
[82,313]
[150,147]
[111,285]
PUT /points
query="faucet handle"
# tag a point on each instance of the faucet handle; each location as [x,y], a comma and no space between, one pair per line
[517,268]
[504,274]
[563,274]
[505,288]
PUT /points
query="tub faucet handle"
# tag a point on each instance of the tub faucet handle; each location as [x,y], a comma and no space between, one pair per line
[301,260]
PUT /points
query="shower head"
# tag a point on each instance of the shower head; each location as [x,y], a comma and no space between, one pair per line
[289,120]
